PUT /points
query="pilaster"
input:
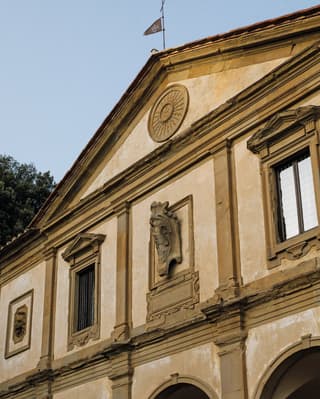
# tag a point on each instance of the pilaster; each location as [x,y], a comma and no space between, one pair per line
[48,310]
[123,291]
[121,376]
[231,339]
[223,171]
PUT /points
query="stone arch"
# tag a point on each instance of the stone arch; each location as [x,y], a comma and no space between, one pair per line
[184,383]
[287,371]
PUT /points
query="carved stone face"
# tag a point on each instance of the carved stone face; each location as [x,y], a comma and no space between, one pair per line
[161,229]
[20,324]
[165,231]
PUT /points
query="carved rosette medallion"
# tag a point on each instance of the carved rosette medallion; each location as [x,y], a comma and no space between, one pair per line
[20,324]
[168,113]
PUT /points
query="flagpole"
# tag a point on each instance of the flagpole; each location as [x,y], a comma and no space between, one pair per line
[163,27]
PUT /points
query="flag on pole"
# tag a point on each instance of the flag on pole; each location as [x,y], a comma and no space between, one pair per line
[154,28]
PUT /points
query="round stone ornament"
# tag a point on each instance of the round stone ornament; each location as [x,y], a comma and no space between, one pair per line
[168,113]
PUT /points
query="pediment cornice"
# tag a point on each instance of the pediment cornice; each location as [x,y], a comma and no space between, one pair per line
[84,242]
[236,117]
[58,205]
[283,124]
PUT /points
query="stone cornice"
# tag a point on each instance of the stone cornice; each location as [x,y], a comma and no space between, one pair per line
[236,117]
[156,70]
[233,118]
[19,242]
[278,126]
[222,322]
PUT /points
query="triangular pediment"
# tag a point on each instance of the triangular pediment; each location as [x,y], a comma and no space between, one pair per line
[83,243]
[282,124]
[125,139]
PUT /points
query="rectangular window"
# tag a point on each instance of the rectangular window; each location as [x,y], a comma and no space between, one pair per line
[84,304]
[288,148]
[297,211]
[84,259]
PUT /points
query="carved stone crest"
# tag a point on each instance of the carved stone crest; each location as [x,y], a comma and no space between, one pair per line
[20,324]
[168,113]
[165,229]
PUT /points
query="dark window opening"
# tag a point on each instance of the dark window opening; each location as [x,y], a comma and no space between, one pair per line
[297,211]
[84,298]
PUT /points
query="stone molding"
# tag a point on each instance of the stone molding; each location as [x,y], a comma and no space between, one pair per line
[84,242]
[282,125]
[285,134]
[157,343]
[177,378]
[83,251]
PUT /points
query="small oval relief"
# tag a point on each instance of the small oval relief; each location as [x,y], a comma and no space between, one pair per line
[20,324]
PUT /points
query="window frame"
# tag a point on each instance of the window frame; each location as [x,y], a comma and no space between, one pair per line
[77,320]
[285,136]
[83,252]
[287,163]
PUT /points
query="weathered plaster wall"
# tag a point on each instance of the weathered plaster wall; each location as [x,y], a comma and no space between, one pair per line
[108,293]
[200,363]
[27,360]
[250,213]
[200,184]
[266,342]
[205,94]
[99,389]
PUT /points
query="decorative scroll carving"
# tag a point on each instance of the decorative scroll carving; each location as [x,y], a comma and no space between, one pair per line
[20,324]
[83,337]
[165,228]
[298,250]
[168,113]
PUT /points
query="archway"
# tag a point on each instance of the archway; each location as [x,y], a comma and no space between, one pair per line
[184,387]
[182,391]
[298,377]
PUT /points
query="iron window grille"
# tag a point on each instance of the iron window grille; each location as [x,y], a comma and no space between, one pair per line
[84,304]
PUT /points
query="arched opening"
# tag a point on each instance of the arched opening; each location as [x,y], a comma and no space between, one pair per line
[298,377]
[182,391]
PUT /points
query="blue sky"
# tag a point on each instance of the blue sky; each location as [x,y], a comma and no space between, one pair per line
[65,63]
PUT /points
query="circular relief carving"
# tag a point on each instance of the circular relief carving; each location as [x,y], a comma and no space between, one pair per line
[168,113]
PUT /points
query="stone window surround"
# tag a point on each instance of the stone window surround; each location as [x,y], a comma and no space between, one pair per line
[84,251]
[285,135]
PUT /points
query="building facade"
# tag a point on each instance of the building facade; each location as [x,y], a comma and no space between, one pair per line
[179,256]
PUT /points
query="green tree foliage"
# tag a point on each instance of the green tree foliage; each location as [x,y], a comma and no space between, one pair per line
[22,192]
